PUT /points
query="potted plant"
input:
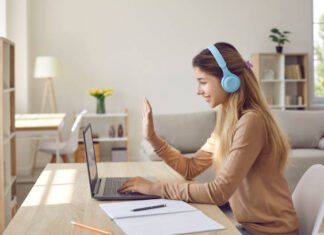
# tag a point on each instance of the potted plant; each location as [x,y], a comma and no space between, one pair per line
[101,94]
[280,38]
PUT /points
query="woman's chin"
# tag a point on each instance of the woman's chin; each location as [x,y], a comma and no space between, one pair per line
[212,105]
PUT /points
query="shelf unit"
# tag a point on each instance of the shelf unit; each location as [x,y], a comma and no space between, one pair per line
[8,197]
[283,78]
[101,123]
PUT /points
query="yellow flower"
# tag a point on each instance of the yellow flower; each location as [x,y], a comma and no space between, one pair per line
[100,93]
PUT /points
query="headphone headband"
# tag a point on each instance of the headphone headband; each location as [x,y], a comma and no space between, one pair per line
[218,56]
[230,82]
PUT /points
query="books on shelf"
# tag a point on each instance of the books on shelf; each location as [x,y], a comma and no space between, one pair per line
[293,71]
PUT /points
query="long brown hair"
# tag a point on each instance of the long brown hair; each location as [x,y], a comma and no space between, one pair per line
[249,98]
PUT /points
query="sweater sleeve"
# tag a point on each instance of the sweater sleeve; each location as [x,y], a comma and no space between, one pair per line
[248,141]
[188,167]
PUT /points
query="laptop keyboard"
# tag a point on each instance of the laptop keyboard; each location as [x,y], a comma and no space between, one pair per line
[112,185]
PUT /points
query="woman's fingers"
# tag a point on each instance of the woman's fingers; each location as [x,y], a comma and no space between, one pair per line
[148,126]
[126,187]
[129,185]
[147,106]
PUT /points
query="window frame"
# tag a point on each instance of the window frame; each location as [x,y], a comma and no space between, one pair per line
[316,100]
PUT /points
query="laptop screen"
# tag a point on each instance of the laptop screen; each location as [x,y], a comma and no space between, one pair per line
[90,157]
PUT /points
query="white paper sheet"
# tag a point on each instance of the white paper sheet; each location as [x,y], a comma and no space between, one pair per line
[165,224]
[177,217]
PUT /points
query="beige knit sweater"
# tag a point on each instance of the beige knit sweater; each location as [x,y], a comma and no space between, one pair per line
[249,179]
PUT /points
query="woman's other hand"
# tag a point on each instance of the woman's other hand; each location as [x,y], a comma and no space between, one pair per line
[148,125]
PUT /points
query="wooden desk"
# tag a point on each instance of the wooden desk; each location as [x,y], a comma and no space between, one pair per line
[40,125]
[62,194]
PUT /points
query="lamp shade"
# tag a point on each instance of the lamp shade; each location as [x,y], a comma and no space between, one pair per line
[47,67]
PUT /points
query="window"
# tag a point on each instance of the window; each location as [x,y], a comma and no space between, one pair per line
[318,43]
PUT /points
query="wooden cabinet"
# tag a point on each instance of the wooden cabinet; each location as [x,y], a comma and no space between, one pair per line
[79,155]
[102,125]
[8,197]
[283,78]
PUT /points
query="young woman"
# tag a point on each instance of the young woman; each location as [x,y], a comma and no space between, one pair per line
[248,148]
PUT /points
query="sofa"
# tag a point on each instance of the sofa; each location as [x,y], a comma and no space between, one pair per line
[187,132]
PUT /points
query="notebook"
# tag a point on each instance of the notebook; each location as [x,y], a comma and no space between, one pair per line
[176,217]
[104,188]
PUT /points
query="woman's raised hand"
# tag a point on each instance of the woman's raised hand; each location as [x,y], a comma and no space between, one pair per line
[148,126]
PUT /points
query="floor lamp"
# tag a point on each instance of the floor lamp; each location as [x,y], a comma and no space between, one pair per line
[47,67]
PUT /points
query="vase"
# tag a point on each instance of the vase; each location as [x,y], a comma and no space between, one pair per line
[101,105]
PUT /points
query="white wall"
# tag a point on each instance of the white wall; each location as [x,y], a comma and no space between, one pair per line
[3,20]
[18,33]
[145,47]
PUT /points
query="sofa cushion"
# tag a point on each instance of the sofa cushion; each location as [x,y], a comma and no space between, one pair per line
[187,132]
[299,161]
[321,143]
[304,129]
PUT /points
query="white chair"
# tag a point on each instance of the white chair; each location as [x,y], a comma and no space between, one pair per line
[308,199]
[67,147]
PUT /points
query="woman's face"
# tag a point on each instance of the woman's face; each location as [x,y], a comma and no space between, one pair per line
[209,87]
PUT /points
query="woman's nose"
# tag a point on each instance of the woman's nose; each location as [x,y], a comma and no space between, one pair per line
[199,91]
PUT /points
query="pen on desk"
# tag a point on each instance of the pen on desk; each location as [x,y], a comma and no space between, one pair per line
[90,228]
[149,207]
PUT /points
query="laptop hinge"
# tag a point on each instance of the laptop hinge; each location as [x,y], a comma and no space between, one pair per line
[102,185]
[96,189]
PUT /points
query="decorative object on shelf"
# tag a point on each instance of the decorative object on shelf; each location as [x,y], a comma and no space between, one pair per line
[268,74]
[112,131]
[279,37]
[300,100]
[120,131]
[95,135]
[47,67]
[101,94]
[288,100]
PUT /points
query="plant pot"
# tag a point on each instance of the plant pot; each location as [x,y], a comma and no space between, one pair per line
[279,49]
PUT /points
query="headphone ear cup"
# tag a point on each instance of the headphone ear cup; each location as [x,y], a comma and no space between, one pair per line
[231,83]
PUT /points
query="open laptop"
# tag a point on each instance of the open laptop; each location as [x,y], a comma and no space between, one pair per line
[104,188]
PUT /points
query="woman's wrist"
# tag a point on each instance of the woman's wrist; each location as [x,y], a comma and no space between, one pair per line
[157,143]
[151,137]
[156,189]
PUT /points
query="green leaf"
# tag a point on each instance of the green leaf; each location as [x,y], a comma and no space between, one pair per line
[274,38]
[275,30]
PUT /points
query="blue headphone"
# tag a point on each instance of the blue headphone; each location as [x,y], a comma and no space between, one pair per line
[230,82]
